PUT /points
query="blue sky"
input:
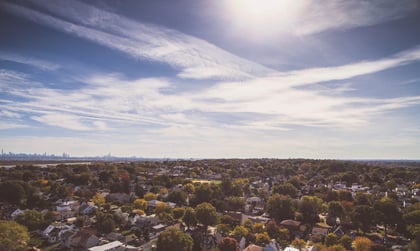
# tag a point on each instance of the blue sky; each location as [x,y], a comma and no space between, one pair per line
[228,78]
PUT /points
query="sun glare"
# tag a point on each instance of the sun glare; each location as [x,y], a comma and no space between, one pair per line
[263,17]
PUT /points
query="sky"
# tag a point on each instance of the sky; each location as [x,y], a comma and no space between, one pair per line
[211,79]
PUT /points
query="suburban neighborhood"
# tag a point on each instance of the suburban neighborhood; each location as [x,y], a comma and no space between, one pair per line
[255,204]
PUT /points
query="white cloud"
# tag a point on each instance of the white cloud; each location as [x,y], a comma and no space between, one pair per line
[343,14]
[37,63]
[6,125]
[142,41]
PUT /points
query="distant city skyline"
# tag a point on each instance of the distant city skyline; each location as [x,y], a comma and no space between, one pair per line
[211,79]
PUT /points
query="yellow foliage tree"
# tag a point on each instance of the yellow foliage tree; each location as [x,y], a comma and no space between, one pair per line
[140,204]
[362,244]
[98,199]
[150,196]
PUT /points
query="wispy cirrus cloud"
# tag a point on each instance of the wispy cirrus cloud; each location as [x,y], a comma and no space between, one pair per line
[195,58]
[343,15]
[33,62]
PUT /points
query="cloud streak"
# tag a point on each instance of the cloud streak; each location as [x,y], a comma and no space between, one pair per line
[344,15]
[33,62]
[195,58]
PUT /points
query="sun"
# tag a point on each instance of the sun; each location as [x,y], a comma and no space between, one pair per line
[263,17]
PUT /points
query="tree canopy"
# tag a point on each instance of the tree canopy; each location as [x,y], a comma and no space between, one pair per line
[174,239]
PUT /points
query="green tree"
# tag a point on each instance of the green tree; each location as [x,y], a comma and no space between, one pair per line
[310,207]
[203,193]
[262,239]
[105,222]
[223,229]
[363,217]
[272,229]
[174,239]
[178,212]
[206,214]
[331,239]
[177,196]
[12,192]
[235,203]
[163,211]
[387,212]
[13,236]
[239,232]
[189,218]
[346,241]
[228,244]
[32,219]
[286,189]
[189,188]
[280,207]
[335,209]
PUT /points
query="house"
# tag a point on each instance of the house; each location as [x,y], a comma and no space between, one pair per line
[291,249]
[145,220]
[83,240]
[272,246]
[55,230]
[113,246]
[120,197]
[133,218]
[15,213]
[86,209]
[296,228]
[318,233]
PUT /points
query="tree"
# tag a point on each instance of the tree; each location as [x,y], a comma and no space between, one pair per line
[331,239]
[361,244]
[178,212]
[310,207]
[150,196]
[189,188]
[189,217]
[98,199]
[335,209]
[12,192]
[32,219]
[206,214]
[140,204]
[202,193]
[272,229]
[228,244]
[299,243]
[239,232]
[163,211]
[235,203]
[286,189]
[280,207]
[223,229]
[387,212]
[345,195]
[13,236]
[363,217]
[258,227]
[178,196]
[174,239]
[262,239]
[345,241]
[105,223]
